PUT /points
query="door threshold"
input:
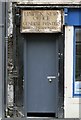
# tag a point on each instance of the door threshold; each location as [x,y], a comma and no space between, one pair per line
[31,118]
[41,115]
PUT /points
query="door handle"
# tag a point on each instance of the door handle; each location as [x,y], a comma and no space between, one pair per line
[50,78]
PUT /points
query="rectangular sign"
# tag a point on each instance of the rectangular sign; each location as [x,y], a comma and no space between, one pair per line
[43,21]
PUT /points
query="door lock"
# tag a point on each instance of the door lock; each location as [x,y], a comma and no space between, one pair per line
[51,78]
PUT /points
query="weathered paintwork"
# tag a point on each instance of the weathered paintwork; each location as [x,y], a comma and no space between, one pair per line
[49,1]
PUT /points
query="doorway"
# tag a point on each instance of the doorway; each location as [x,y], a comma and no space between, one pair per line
[41,74]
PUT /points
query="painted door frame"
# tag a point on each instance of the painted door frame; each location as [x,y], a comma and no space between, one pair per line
[34,7]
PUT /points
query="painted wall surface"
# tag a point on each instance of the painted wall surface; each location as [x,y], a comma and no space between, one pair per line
[72,104]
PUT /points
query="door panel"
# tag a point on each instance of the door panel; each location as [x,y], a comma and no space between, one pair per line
[41,64]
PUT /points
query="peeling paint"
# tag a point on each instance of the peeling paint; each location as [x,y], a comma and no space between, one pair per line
[10,95]
[10,24]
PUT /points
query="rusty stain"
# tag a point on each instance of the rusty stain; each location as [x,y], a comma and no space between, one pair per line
[41,21]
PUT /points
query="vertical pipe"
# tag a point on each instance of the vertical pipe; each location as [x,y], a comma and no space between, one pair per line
[1,66]
[6,42]
[2,44]
[3,54]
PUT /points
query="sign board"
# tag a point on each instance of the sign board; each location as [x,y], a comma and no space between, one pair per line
[41,21]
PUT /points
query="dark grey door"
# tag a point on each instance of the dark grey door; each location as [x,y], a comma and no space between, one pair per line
[41,69]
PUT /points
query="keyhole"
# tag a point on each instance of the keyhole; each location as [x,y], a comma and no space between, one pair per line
[50,80]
